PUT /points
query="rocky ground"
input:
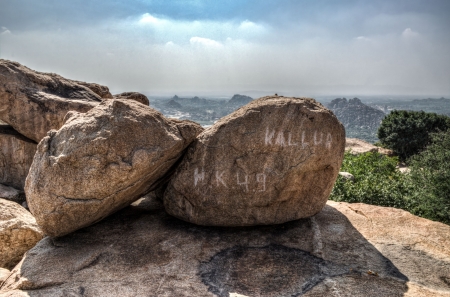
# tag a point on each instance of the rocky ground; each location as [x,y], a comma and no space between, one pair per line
[345,250]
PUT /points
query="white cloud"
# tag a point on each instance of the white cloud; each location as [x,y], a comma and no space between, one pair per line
[250,26]
[147,18]
[170,43]
[4,31]
[204,42]
[362,38]
[408,33]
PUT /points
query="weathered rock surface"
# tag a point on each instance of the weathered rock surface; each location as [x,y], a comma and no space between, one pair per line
[345,250]
[101,161]
[18,233]
[16,156]
[271,161]
[133,96]
[35,102]
[357,146]
[11,194]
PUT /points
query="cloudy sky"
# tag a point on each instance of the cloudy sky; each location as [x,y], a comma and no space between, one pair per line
[292,47]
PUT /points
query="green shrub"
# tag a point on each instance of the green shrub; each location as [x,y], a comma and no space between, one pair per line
[377,181]
[408,132]
[430,180]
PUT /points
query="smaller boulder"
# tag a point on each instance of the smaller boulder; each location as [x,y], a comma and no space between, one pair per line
[35,102]
[18,233]
[141,98]
[347,175]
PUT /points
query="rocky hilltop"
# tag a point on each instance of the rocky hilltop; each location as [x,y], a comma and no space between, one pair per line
[359,120]
[126,202]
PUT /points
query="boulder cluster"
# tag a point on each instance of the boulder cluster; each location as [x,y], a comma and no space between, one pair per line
[85,154]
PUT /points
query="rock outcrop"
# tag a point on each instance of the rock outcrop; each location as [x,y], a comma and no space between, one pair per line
[18,233]
[271,161]
[345,250]
[141,98]
[34,102]
[358,146]
[100,162]
[16,156]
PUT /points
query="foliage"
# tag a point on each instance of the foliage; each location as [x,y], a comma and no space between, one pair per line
[408,132]
[430,178]
[377,181]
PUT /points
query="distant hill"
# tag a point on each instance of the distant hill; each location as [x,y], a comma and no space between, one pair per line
[240,99]
[360,120]
[173,104]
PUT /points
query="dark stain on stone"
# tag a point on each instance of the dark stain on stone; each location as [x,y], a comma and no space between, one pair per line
[272,270]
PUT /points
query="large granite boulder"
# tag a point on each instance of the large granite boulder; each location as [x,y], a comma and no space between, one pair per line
[271,161]
[16,156]
[133,96]
[18,233]
[345,250]
[35,102]
[100,162]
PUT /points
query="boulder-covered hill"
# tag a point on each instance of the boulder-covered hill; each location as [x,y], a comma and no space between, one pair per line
[360,120]
[240,99]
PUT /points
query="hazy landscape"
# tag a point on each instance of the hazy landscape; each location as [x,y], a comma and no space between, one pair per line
[361,117]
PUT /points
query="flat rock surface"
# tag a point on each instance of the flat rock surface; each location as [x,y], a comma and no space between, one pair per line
[100,162]
[16,156]
[271,161]
[18,233]
[358,146]
[345,250]
[34,102]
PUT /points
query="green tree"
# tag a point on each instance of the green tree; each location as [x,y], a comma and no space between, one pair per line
[408,132]
[430,178]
